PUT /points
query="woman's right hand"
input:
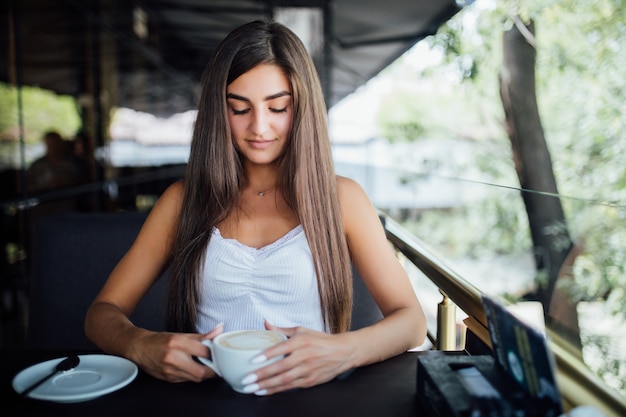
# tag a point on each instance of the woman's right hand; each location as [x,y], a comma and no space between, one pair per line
[170,356]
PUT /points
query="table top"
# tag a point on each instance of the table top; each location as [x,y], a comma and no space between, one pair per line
[383,389]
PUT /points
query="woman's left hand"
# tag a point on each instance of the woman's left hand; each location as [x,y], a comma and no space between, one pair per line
[311,358]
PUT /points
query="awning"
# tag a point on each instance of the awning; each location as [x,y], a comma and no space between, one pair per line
[152,53]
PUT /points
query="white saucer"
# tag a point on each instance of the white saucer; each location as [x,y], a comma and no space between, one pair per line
[95,376]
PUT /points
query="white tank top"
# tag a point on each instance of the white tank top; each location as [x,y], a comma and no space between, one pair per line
[242,286]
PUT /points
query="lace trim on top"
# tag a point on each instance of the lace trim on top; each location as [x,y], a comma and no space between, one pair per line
[262,250]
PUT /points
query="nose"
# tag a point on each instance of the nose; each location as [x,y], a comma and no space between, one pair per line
[260,123]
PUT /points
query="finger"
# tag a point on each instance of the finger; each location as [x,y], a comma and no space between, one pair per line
[297,377]
[189,345]
[179,366]
[200,372]
[194,347]
[288,331]
[288,367]
[297,337]
[282,349]
[269,385]
[192,370]
[217,330]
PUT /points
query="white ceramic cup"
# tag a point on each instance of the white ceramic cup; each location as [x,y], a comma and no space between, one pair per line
[232,353]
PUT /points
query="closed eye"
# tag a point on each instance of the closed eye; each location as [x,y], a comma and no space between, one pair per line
[239,112]
[283,110]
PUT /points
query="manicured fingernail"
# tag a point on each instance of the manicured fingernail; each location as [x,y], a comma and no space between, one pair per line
[258,359]
[249,379]
[261,393]
[218,326]
[251,388]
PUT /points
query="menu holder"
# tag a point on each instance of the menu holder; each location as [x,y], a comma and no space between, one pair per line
[442,392]
[518,380]
[523,352]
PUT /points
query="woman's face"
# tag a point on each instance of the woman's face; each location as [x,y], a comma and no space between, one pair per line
[260,113]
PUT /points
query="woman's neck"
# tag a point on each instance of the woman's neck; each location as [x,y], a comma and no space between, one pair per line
[260,181]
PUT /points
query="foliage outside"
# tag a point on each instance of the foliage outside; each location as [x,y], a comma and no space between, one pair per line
[581,54]
[43,111]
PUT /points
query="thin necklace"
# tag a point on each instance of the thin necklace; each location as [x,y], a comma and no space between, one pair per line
[262,193]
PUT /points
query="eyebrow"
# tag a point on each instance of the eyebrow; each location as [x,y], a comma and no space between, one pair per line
[268,98]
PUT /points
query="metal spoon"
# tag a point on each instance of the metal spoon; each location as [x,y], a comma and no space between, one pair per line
[65,365]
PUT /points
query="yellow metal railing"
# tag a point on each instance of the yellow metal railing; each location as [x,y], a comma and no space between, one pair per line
[577,383]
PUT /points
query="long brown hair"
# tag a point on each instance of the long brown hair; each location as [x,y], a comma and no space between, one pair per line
[306,174]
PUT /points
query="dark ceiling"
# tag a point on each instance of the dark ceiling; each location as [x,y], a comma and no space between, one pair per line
[64,45]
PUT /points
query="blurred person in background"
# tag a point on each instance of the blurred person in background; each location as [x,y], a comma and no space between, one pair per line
[56,168]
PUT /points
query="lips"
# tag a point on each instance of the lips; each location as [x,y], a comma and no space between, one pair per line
[260,144]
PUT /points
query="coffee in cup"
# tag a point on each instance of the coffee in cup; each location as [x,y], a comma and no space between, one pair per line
[232,353]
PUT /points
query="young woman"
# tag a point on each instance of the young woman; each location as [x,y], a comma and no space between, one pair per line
[261,234]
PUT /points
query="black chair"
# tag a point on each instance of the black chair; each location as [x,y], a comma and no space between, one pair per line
[73,254]
[365,311]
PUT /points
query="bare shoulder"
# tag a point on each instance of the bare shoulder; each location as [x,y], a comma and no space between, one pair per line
[172,197]
[164,215]
[175,190]
[356,207]
[347,188]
